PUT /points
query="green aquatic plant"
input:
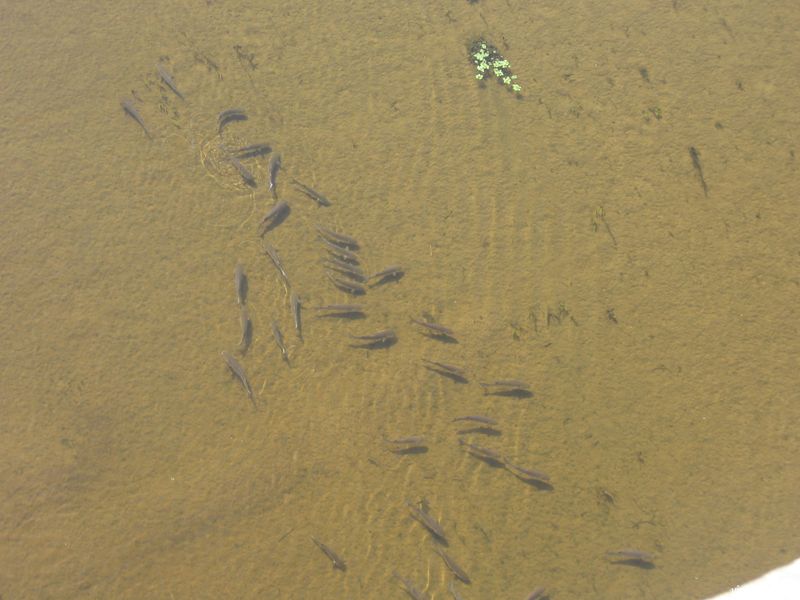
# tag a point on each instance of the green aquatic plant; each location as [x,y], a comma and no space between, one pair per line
[488,61]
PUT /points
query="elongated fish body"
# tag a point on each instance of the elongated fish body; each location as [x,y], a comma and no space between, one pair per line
[167,79]
[296,308]
[247,330]
[314,195]
[130,110]
[452,565]
[274,167]
[230,115]
[252,150]
[237,369]
[240,280]
[340,239]
[276,331]
[338,563]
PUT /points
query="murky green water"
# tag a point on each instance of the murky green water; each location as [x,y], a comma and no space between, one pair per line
[565,237]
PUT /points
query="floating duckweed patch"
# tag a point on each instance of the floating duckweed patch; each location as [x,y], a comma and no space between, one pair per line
[488,61]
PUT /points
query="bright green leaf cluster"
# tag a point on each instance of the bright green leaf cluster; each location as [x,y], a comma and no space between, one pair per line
[488,61]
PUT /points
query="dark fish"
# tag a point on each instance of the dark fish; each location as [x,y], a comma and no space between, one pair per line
[632,557]
[698,168]
[410,588]
[451,564]
[351,287]
[483,453]
[531,474]
[274,167]
[435,328]
[273,255]
[339,252]
[338,563]
[167,78]
[346,269]
[507,387]
[414,444]
[276,331]
[392,273]
[430,523]
[412,440]
[315,196]
[351,311]
[252,150]
[453,372]
[240,279]
[341,308]
[130,110]
[340,239]
[273,218]
[296,307]
[230,115]
[381,336]
[244,172]
[247,330]
[515,384]
[477,419]
[238,371]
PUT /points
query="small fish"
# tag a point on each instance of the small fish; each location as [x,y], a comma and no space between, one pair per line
[340,239]
[276,331]
[392,273]
[247,330]
[252,150]
[435,328]
[453,566]
[273,218]
[351,287]
[632,557]
[698,168]
[274,167]
[338,563]
[410,588]
[341,310]
[537,594]
[451,371]
[483,453]
[130,110]
[515,384]
[530,474]
[477,419]
[230,115]
[273,255]
[238,371]
[167,78]
[240,280]
[381,336]
[315,196]
[244,172]
[340,253]
[346,269]
[296,307]
[430,523]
